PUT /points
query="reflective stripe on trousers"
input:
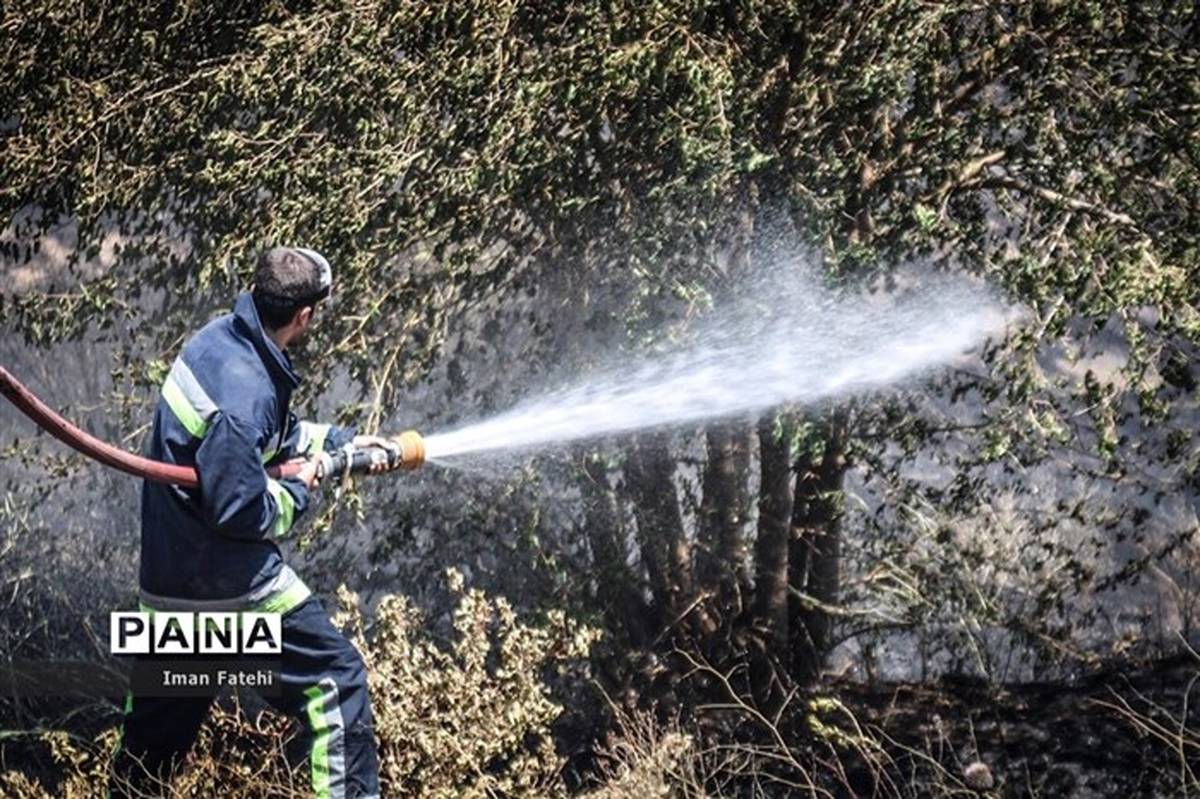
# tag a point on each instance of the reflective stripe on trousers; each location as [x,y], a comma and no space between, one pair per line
[329,740]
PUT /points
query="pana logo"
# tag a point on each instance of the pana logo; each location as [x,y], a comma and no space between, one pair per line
[159,633]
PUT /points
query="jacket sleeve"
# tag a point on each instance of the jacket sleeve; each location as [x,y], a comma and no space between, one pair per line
[305,439]
[237,497]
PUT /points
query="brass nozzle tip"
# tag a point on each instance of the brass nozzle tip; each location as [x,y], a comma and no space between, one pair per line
[412,449]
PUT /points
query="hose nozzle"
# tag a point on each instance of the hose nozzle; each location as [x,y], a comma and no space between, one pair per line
[412,449]
[408,454]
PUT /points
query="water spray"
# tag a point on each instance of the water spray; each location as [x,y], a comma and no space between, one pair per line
[787,340]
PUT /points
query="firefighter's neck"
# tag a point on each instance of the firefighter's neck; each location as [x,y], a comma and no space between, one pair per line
[282,336]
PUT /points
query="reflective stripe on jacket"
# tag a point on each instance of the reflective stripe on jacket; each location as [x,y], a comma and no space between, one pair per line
[224,410]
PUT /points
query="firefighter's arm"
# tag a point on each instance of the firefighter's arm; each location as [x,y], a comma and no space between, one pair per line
[238,498]
[305,439]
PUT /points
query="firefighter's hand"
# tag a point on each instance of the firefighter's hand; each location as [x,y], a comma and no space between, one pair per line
[383,443]
[308,474]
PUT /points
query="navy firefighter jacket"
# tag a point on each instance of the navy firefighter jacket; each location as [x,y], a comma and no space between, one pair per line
[224,410]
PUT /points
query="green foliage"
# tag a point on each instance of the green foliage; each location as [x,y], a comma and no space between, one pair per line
[430,149]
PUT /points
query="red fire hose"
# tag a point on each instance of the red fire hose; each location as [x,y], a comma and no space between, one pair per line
[410,448]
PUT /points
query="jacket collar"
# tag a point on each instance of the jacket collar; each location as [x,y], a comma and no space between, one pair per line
[245,317]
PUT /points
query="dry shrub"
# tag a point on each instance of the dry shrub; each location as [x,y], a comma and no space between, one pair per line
[645,758]
[473,719]
[470,720]
[84,766]
[814,746]
[244,757]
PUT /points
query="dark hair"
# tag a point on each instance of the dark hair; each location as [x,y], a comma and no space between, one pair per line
[286,281]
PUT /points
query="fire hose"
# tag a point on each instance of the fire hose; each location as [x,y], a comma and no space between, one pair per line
[408,453]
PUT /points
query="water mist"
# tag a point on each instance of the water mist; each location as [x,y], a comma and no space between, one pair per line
[785,339]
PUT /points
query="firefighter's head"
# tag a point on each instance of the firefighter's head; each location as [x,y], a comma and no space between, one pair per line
[289,284]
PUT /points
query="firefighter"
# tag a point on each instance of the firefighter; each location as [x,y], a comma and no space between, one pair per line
[224,410]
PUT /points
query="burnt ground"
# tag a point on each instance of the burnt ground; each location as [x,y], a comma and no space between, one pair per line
[1122,732]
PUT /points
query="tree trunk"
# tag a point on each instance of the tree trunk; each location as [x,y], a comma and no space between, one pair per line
[770,618]
[722,513]
[816,546]
[665,549]
[616,589]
